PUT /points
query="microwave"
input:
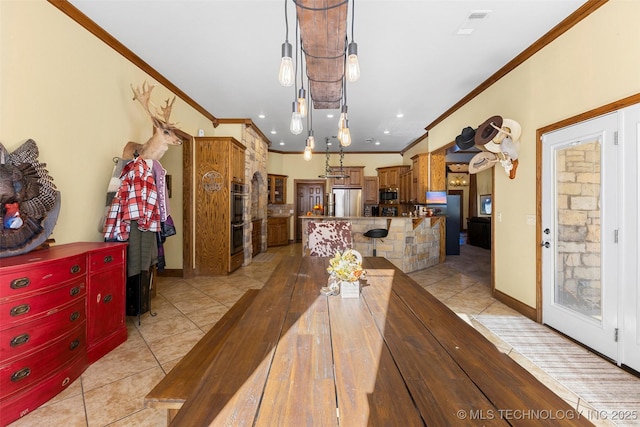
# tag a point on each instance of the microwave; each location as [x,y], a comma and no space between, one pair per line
[388,196]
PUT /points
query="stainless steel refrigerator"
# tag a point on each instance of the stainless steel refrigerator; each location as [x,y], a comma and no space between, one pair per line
[348,202]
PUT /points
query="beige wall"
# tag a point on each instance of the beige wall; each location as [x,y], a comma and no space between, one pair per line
[68,91]
[593,64]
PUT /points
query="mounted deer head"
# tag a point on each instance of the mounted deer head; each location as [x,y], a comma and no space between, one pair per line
[163,131]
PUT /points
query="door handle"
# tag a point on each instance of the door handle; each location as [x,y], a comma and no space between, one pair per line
[546,231]
[545,244]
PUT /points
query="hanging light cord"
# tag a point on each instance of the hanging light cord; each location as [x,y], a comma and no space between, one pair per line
[353,12]
[295,78]
[286,23]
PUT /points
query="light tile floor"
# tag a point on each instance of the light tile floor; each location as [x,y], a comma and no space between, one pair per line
[111,391]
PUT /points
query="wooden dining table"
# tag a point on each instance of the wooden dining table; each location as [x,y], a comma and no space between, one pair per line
[395,356]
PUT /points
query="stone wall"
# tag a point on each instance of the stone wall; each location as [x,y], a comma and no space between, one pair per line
[255,163]
[578,273]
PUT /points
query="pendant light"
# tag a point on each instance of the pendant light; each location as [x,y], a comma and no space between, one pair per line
[286,75]
[346,135]
[307,152]
[353,67]
[311,142]
[302,95]
[296,121]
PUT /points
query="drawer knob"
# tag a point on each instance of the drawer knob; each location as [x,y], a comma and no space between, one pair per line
[74,291]
[74,316]
[75,269]
[19,310]
[108,259]
[22,282]
[19,340]
[74,344]
[107,298]
[21,374]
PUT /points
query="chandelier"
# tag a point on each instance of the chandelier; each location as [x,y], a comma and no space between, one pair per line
[327,168]
[331,61]
[458,180]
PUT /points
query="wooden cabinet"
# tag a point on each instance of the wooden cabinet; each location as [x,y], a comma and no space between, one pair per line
[106,296]
[355,179]
[389,177]
[479,232]
[215,161]
[429,174]
[49,331]
[278,231]
[370,190]
[405,187]
[277,188]
[256,237]
[237,163]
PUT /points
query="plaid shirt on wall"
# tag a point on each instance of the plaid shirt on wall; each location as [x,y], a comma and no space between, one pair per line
[136,199]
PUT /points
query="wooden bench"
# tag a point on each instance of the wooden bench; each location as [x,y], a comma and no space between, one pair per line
[171,392]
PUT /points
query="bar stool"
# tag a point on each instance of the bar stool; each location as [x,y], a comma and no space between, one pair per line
[376,233]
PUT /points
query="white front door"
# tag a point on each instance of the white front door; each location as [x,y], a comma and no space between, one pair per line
[580,216]
[630,238]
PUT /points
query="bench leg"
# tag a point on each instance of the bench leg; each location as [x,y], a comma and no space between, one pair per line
[171,414]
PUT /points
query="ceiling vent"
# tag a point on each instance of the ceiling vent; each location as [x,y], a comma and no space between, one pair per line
[478,14]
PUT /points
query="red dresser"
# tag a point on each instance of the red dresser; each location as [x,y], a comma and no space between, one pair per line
[61,309]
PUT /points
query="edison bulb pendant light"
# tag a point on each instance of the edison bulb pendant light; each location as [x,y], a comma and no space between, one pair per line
[346,135]
[286,74]
[296,120]
[353,67]
[307,153]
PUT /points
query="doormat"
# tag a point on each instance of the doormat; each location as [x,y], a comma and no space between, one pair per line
[605,387]
[264,257]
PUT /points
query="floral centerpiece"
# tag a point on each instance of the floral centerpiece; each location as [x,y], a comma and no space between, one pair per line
[345,271]
[346,266]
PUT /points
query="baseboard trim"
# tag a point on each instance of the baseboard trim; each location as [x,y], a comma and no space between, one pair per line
[518,306]
[174,272]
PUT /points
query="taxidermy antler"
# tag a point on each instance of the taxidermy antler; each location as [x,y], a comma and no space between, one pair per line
[163,131]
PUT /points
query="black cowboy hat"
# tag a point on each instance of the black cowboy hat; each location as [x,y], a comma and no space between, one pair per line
[465,140]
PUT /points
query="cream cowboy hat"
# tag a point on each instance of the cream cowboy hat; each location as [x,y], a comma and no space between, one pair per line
[481,161]
[510,129]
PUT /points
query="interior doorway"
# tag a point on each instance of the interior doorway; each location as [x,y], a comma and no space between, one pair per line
[309,192]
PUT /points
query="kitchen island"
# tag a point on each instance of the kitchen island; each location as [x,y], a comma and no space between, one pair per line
[413,243]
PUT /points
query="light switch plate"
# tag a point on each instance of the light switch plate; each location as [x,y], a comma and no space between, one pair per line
[531,220]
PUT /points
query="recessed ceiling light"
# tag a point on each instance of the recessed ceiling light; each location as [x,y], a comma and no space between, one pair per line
[262,116]
[399,115]
[273,132]
[330,116]
[377,142]
[464,31]
[281,142]
[386,132]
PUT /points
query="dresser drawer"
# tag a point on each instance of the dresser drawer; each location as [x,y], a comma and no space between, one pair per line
[20,404]
[33,368]
[19,310]
[31,335]
[107,258]
[19,281]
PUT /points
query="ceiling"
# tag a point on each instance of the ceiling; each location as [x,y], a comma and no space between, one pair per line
[225,56]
